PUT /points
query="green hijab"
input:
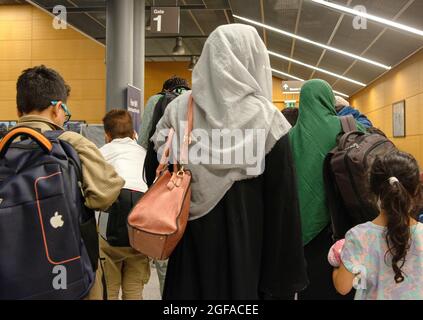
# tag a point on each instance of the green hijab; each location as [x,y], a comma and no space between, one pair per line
[311,139]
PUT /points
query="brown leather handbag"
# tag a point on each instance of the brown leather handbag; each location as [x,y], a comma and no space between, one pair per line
[158,220]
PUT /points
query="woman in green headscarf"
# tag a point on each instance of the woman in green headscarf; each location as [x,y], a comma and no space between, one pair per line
[311,139]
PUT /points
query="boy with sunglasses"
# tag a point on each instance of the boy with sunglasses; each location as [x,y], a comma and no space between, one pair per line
[41,100]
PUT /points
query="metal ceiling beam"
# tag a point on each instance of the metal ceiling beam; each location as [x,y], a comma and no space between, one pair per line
[160,45]
[80,9]
[168,37]
[195,19]
[87,14]
[403,9]
[262,21]
[101,9]
[229,16]
[393,67]
[152,56]
[44,9]
[182,36]
[297,23]
[371,17]
[335,30]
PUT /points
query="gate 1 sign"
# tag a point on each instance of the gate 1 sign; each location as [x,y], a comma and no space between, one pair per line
[165,20]
[134,106]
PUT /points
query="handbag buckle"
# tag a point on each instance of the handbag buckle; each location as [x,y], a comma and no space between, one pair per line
[187,139]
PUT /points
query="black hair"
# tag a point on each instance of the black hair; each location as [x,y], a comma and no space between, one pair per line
[37,87]
[399,200]
[174,83]
[291,114]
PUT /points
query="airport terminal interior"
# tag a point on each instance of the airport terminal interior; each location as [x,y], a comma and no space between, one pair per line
[332,89]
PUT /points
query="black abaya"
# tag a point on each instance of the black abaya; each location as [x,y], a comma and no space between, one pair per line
[249,246]
[319,270]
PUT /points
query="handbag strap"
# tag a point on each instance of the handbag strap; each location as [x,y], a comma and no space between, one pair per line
[188,130]
[185,145]
[166,152]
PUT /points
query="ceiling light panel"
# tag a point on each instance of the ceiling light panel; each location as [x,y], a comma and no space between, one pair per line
[309,41]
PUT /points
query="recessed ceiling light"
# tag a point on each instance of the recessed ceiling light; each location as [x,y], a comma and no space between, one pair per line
[370,17]
[316,68]
[341,94]
[287,75]
[330,48]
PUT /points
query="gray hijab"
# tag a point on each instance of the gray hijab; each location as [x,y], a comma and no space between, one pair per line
[232,89]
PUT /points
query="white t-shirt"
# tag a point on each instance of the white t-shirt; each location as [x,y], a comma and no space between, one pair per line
[127,157]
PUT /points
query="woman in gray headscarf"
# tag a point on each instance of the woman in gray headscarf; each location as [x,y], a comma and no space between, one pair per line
[243,240]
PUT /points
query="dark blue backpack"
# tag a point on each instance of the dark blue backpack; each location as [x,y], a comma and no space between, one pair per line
[43,220]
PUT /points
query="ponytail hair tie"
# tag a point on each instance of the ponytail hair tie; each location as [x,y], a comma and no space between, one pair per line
[392,180]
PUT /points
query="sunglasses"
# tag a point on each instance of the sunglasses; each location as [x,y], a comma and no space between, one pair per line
[65,108]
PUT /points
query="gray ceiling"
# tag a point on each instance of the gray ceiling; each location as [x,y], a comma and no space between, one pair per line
[302,17]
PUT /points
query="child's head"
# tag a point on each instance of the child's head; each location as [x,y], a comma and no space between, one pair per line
[42,91]
[395,180]
[118,125]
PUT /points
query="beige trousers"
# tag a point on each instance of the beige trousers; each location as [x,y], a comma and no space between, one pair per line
[96,292]
[124,269]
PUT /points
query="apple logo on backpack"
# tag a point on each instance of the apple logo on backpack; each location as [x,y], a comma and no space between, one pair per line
[56,221]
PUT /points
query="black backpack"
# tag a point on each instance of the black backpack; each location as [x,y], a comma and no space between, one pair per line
[345,172]
[44,223]
[151,162]
[113,222]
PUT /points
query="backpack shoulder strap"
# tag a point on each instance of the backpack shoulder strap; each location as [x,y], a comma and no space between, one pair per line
[71,153]
[333,198]
[22,131]
[329,185]
[53,134]
[348,123]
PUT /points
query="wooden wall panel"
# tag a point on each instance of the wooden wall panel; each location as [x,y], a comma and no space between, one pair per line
[42,29]
[15,13]
[87,89]
[22,30]
[66,50]
[77,69]
[11,71]
[92,111]
[7,90]
[11,50]
[27,38]
[405,82]
[8,109]
[158,72]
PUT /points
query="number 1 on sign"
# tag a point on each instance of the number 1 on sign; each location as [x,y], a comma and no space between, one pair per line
[159,23]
